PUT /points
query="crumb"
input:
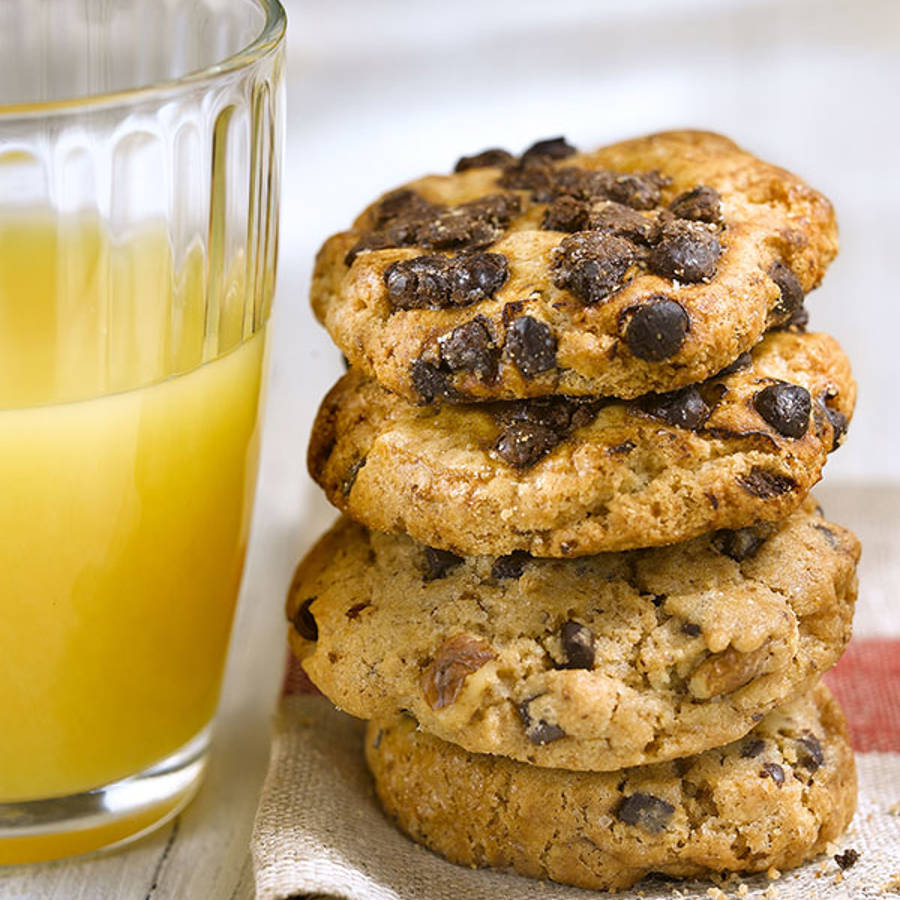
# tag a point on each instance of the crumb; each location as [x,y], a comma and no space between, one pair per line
[847,859]
[894,884]
[716,894]
[838,878]
[771,893]
[773,874]
[894,810]
[743,890]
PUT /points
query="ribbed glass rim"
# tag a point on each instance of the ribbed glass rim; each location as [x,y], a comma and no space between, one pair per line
[265,43]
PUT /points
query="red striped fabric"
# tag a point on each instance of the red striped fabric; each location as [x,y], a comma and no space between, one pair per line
[866,682]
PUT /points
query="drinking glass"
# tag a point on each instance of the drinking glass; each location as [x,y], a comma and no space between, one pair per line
[140,156]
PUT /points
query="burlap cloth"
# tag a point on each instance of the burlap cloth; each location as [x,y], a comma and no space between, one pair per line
[320,832]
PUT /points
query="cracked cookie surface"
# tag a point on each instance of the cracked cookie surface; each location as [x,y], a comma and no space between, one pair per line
[594,663]
[775,798]
[574,476]
[643,266]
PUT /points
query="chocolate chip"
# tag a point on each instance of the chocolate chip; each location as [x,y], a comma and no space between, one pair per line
[454,661]
[304,622]
[566,214]
[522,444]
[765,484]
[637,191]
[700,204]
[644,810]
[539,732]
[684,408]
[691,629]
[592,264]
[773,771]
[378,739]
[577,645]
[810,753]
[419,283]
[431,383]
[510,566]
[786,407]
[744,361]
[493,157]
[687,252]
[356,609]
[470,347]
[550,148]
[624,447]
[752,747]
[847,859]
[438,563]
[830,536]
[350,478]
[791,300]
[618,219]
[475,277]
[739,544]
[535,174]
[401,204]
[838,426]
[531,345]
[656,330]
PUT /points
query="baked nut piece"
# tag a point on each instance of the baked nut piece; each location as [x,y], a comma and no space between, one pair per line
[595,663]
[644,266]
[569,476]
[775,798]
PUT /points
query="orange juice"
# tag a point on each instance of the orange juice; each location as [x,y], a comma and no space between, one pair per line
[127,467]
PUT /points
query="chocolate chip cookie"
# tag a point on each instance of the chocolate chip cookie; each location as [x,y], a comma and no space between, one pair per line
[569,476]
[595,663]
[644,266]
[775,798]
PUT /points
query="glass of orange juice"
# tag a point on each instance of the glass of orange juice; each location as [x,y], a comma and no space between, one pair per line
[140,154]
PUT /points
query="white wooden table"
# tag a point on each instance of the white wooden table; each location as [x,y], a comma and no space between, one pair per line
[379,92]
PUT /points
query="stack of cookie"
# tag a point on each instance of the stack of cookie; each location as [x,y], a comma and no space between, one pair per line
[580,590]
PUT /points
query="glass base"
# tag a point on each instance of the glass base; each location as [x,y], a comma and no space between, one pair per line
[107,817]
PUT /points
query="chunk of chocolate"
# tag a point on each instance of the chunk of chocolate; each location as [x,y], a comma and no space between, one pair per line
[687,252]
[847,859]
[456,659]
[620,220]
[350,478]
[431,382]
[531,345]
[550,148]
[592,264]
[786,407]
[740,544]
[510,566]
[522,444]
[792,296]
[402,204]
[566,214]
[766,484]
[744,361]
[700,204]
[838,426]
[577,642]
[691,629]
[303,621]
[656,329]
[752,748]
[809,752]
[639,191]
[538,731]
[419,283]
[645,811]
[773,771]
[475,277]
[495,156]
[470,348]
[684,408]
[438,563]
